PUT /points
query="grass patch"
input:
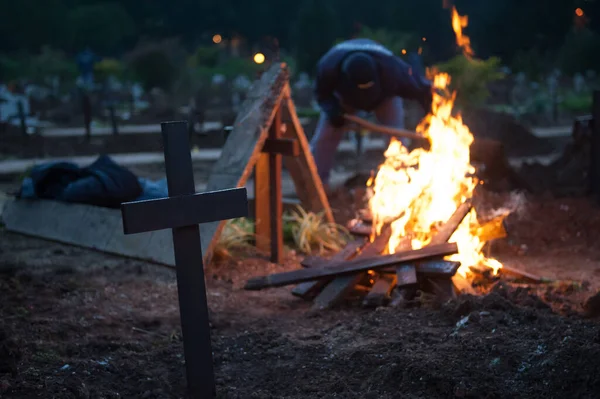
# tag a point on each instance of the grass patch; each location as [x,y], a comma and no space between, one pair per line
[577,102]
[311,232]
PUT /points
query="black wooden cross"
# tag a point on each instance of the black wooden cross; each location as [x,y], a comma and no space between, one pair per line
[182,211]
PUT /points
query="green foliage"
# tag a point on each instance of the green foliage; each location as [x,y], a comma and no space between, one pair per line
[308,113]
[314,32]
[233,67]
[48,63]
[470,78]
[154,69]
[580,52]
[204,56]
[102,26]
[10,68]
[157,64]
[531,63]
[577,102]
[109,67]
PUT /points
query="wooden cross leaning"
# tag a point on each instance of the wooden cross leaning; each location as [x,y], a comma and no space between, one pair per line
[182,211]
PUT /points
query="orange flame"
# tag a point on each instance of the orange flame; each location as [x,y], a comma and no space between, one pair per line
[418,191]
[459,22]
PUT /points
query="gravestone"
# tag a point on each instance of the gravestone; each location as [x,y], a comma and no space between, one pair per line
[182,211]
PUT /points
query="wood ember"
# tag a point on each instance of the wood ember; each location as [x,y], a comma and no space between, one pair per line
[336,290]
[363,269]
[358,227]
[310,289]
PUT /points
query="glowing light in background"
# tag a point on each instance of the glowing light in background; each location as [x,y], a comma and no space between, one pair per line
[259,58]
[403,51]
[424,38]
[579,12]
[217,39]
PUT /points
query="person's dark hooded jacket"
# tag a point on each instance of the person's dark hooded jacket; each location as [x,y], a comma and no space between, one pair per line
[384,76]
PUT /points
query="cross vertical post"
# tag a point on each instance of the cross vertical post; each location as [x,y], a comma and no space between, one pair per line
[191,287]
[182,211]
[262,209]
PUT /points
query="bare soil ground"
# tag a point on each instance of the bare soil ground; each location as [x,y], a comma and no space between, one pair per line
[80,324]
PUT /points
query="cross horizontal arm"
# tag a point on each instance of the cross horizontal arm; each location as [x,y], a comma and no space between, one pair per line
[286,147]
[186,210]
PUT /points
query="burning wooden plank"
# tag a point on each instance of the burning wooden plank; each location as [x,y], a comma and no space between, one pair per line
[355,266]
[446,231]
[522,274]
[366,216]
[336,290]
[379,294]
[438,269]
[491,230]
[359,228]
[310,289]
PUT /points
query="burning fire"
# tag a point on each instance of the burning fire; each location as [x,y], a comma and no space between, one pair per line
[458,23]
[417,192]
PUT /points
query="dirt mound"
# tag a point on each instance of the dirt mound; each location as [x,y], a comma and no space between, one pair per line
[517,139]
[10,353]
[504,344]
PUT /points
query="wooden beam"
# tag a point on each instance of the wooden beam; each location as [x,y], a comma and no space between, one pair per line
[446,231]
[275,195]
[390,131]
[302,168]
[310,289]
[379,294]
[336,290]
[285,147]
[406,275]
[359,228]
[262,213]
[182,206]
[440,268]
[185,210]
[244,144]
[350,267]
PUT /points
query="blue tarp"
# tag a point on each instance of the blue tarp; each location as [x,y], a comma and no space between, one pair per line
[103,183]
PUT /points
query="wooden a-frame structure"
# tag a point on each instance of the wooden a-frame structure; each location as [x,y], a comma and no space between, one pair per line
[266,134]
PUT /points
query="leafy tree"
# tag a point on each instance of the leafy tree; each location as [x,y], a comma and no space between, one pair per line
[50,62]
[580,52]
[314,32]
[105,27]
[470,77]
[157,64]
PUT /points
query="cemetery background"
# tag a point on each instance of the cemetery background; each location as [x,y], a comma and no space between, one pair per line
[90,324]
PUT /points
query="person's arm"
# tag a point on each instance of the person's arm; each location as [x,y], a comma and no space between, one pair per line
[410,84]
[324,92]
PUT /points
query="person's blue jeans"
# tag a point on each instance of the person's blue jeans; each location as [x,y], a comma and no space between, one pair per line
[327,138]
